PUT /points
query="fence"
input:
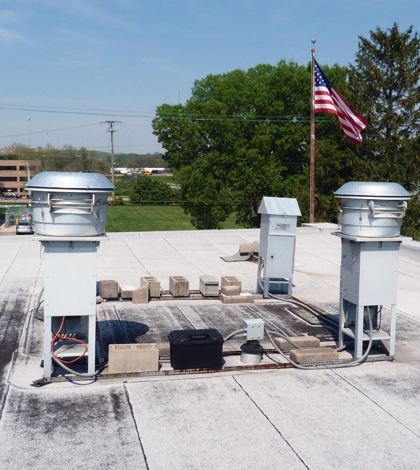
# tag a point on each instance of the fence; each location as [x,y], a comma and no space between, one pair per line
[13,214]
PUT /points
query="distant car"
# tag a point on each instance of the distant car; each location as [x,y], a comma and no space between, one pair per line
[9,196]
[24,227]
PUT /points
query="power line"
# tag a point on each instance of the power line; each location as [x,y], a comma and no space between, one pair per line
[48,130]
[170,116]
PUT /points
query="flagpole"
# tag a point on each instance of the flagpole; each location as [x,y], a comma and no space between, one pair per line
[312,162]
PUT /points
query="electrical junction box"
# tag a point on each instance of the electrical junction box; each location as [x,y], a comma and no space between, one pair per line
[254,329]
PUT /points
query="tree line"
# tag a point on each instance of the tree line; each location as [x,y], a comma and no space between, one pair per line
[246,134]
[69,158]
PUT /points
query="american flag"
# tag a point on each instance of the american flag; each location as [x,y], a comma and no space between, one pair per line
[328,100]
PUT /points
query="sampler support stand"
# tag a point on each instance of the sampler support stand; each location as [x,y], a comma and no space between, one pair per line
[70,291]
[368,281]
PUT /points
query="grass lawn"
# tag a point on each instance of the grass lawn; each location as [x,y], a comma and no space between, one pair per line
[129,218]
[164,178]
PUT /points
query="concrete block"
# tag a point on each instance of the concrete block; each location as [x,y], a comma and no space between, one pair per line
[108,289]
[249,248]
[231,281]
[127,358]
[237,299]
[209,286]
[179,286]
[154,286]
[313,355]
[141,296]
[164,348]
[126,292]
[302,341]
[231,290]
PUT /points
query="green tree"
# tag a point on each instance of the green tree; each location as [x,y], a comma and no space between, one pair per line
[149,190]
[66,159]
[384,84]
[238,138]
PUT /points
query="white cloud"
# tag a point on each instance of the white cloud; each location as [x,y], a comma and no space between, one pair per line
[84,38]
[10,36]
[89,10]
[8,16]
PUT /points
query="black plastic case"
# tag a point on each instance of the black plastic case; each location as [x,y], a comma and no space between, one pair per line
[195,349]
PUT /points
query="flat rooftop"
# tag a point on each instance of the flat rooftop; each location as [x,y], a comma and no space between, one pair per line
[365,416]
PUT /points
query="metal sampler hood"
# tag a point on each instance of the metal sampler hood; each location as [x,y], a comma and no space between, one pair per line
[372,190]
[67,204]
[70,182]
[372,209]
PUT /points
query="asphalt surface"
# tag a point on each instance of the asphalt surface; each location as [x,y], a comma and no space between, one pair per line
[349,418]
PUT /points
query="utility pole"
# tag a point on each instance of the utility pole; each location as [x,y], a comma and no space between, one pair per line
[111,129]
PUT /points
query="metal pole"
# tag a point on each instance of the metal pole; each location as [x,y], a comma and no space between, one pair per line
[112,156]
[112,130]
[312,163]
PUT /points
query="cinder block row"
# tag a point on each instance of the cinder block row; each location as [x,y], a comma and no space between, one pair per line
[314,355]
[237,299]
[231,281]
[141,295]
[126,292]
[247,248]
[133,358]
[179,286]
[209,286]
[149,288]
[153,284]
[302,341]
[129,358]
[108,289]
[231,291]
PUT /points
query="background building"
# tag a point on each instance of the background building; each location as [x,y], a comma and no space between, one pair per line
[14,174]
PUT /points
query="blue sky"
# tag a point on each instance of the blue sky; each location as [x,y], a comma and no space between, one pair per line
[70,64]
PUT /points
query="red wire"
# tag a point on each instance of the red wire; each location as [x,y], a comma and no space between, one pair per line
[63,338]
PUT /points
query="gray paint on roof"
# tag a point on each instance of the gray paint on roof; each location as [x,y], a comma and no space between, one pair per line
[360,417]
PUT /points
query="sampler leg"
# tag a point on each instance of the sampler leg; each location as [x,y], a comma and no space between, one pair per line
[358,333]
[289,287]
[258,275]
[92,344]
[341,324]
[47,347]
[392,330]
[266,285]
